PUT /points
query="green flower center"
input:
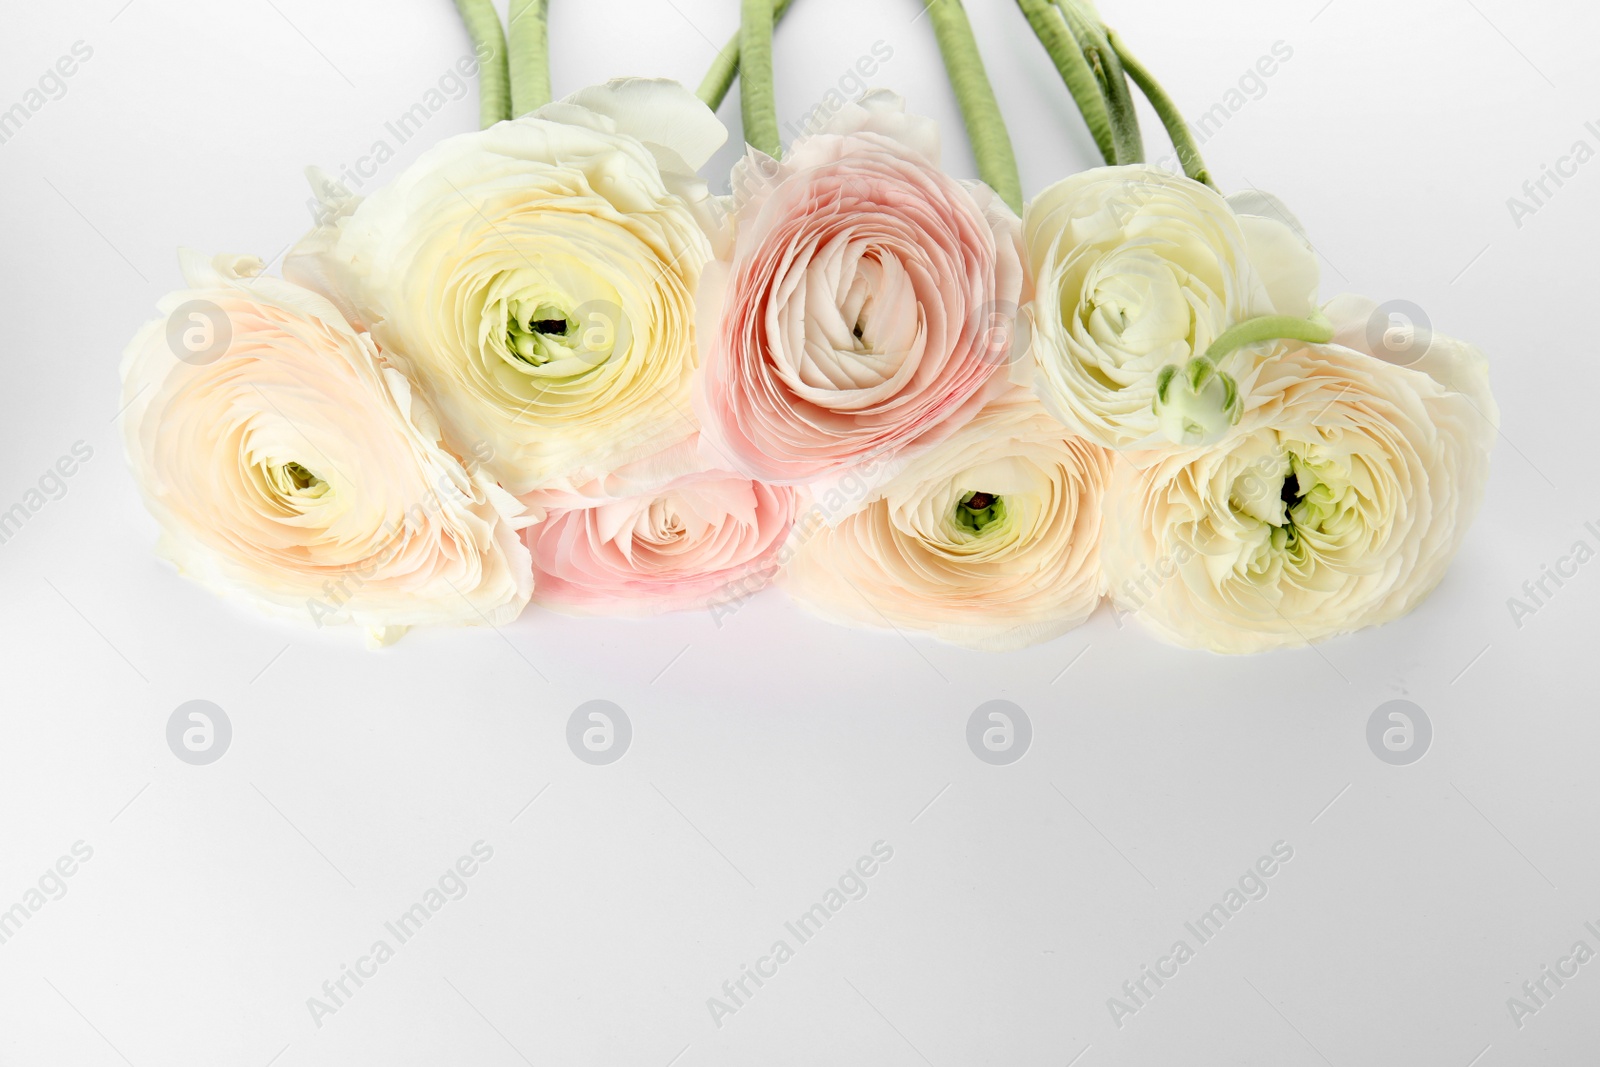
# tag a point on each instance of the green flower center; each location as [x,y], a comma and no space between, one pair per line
[980,510]
[1318,500]
[293,480]
[539,332]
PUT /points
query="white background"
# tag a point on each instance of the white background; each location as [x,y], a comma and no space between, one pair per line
[770,753]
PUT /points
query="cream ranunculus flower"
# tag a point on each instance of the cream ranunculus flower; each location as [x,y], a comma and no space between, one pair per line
[538,277]
[1136,269]
[1337,502]
[289,464]
[991,539]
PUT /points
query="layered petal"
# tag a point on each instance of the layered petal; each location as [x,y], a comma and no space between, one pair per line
[537,278]
[666,533]
[1136,269]
[991,539]
[289,463]
[1337,503]
[867,308]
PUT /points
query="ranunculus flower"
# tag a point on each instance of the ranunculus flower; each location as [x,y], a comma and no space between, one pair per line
[1136,269]
[289,464]
[1336,503]
[537,278]
[868,305]
[991,539]
[662,534]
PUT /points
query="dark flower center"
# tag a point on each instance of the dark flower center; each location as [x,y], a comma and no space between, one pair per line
[1290,493]
[299,477]
[978,510]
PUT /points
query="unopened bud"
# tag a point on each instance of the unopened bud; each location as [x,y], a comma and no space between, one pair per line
[1196,404]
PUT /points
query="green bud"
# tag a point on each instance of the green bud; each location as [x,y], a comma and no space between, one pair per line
[1196,404]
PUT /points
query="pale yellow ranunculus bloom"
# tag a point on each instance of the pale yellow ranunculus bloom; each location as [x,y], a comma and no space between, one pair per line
[1337,503]
[537,278]
[1136,269]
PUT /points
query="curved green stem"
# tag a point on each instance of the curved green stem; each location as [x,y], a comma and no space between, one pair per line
[494,75]
[986,128]
[1107,68]
[714,86]
[529,31]
[1051,29]
[1315,330]
[756,98]
[1183,141]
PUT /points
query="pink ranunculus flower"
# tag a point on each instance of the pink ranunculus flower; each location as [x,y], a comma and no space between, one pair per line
[663,534]
[868,306]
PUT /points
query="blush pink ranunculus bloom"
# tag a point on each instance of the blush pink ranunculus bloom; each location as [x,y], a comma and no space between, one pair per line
[868,306]
[667,533]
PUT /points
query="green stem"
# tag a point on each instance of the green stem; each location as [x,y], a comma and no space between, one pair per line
[1171,118]
[756,99]
[1113,82]
[1315,330]
[1051,29]
[986,128]
[714,88]
[494,76]
[530,55]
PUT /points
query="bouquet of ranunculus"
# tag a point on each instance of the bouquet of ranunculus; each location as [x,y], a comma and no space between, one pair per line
[546,363]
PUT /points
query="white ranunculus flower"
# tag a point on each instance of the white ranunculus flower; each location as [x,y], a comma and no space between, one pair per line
[1337,503]
[289,464]
[1136,269]
[537,278]
[991,539]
